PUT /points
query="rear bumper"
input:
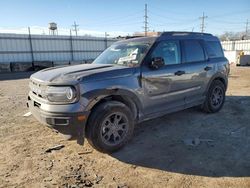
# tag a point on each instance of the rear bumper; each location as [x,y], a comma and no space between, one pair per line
[66,123]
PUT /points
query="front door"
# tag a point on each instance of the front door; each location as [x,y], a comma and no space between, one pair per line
[164,88]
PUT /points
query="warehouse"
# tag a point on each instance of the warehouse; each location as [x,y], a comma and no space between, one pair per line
[22,50]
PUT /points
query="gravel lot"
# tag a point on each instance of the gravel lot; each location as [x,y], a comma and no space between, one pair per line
[184,149]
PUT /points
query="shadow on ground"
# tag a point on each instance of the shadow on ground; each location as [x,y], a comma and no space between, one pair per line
[161,143]
[15,75]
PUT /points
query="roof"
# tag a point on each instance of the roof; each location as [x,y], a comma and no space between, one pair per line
[187,35]
[178,35]
[138,39]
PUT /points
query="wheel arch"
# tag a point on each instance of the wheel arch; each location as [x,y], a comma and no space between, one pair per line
[219,77]
[121,95]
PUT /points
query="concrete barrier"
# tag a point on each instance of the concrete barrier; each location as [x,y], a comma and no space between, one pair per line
[5,67]
[39,65]
[77,62]
[60,63]
[21,66]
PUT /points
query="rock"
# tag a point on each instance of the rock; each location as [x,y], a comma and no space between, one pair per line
[47,179]
[88,183]
[133,166]
[191,142]
[50,165]
[98,179]
[27,114]
[196,141]
[123,186]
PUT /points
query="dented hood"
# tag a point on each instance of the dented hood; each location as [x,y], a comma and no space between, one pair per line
[76,73]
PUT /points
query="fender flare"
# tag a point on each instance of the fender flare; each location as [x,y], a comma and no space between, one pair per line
[217,76]
[95,96]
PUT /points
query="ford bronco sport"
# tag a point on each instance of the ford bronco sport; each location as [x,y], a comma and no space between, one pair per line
[131,81]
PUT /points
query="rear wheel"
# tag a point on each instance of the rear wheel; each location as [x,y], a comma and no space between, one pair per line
[110,126]
[215,97]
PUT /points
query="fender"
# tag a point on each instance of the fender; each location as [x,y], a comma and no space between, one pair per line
[96,96]
[218,76]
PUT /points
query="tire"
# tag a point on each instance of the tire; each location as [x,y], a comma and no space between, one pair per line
[213,104]
[110,126]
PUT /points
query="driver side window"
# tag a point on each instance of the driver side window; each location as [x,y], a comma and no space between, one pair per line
[169,51]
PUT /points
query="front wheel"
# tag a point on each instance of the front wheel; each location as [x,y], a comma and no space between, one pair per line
[215,97]
[110,126]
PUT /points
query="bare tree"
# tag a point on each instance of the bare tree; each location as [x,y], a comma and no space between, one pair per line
[233,36]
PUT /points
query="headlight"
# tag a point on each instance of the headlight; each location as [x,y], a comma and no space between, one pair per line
[61,94]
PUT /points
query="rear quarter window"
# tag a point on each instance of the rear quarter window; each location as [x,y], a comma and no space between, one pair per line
[193,51]
[213,49]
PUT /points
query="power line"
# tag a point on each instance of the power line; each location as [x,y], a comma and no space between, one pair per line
[203,22]
[230,13]
[75,27]
[146,20]
[164,17]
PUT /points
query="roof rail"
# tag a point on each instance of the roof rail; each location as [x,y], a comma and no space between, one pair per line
[176,33]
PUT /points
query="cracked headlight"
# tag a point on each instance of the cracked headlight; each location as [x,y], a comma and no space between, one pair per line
[61,94]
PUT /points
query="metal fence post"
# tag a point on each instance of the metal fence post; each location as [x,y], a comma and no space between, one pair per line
[233,45]
[106,40]
[71,47]
[31,47]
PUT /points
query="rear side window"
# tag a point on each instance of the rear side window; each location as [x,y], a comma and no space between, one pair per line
[193,51]
[213,49]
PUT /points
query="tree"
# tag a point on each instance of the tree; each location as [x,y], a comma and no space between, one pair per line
[233,36]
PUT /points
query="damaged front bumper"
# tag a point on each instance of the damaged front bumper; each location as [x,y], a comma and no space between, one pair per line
[60,118]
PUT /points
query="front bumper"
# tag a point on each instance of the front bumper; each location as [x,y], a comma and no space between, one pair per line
[68,123]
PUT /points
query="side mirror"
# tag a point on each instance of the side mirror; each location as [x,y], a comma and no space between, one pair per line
[157,62]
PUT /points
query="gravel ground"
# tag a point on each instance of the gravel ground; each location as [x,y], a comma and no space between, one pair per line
[184,149]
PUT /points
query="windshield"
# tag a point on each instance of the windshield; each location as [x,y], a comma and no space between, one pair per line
[126,54]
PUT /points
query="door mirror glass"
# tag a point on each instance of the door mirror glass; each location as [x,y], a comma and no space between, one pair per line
[157,62]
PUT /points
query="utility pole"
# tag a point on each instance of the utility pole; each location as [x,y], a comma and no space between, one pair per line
[75,27]
[146,20]
[246,28]
[203,22]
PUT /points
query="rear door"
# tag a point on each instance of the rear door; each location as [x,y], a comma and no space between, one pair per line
[196,67]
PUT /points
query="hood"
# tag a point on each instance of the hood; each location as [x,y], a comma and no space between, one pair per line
[76,73]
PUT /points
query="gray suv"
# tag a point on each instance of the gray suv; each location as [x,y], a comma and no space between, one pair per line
[133,80]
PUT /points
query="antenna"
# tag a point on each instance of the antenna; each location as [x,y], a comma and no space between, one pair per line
[75,27]
[203,22]
[146,20]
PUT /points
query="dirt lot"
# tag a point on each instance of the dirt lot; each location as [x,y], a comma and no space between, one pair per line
[184,149]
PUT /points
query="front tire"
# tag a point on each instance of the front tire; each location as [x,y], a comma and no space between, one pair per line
[215,97]
[110,126]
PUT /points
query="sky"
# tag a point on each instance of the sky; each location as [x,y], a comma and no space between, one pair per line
[117,17]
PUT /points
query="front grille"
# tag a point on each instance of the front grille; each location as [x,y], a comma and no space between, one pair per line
[37,89]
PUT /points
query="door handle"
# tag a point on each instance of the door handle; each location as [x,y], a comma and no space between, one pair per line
[207,68]
[179,73]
